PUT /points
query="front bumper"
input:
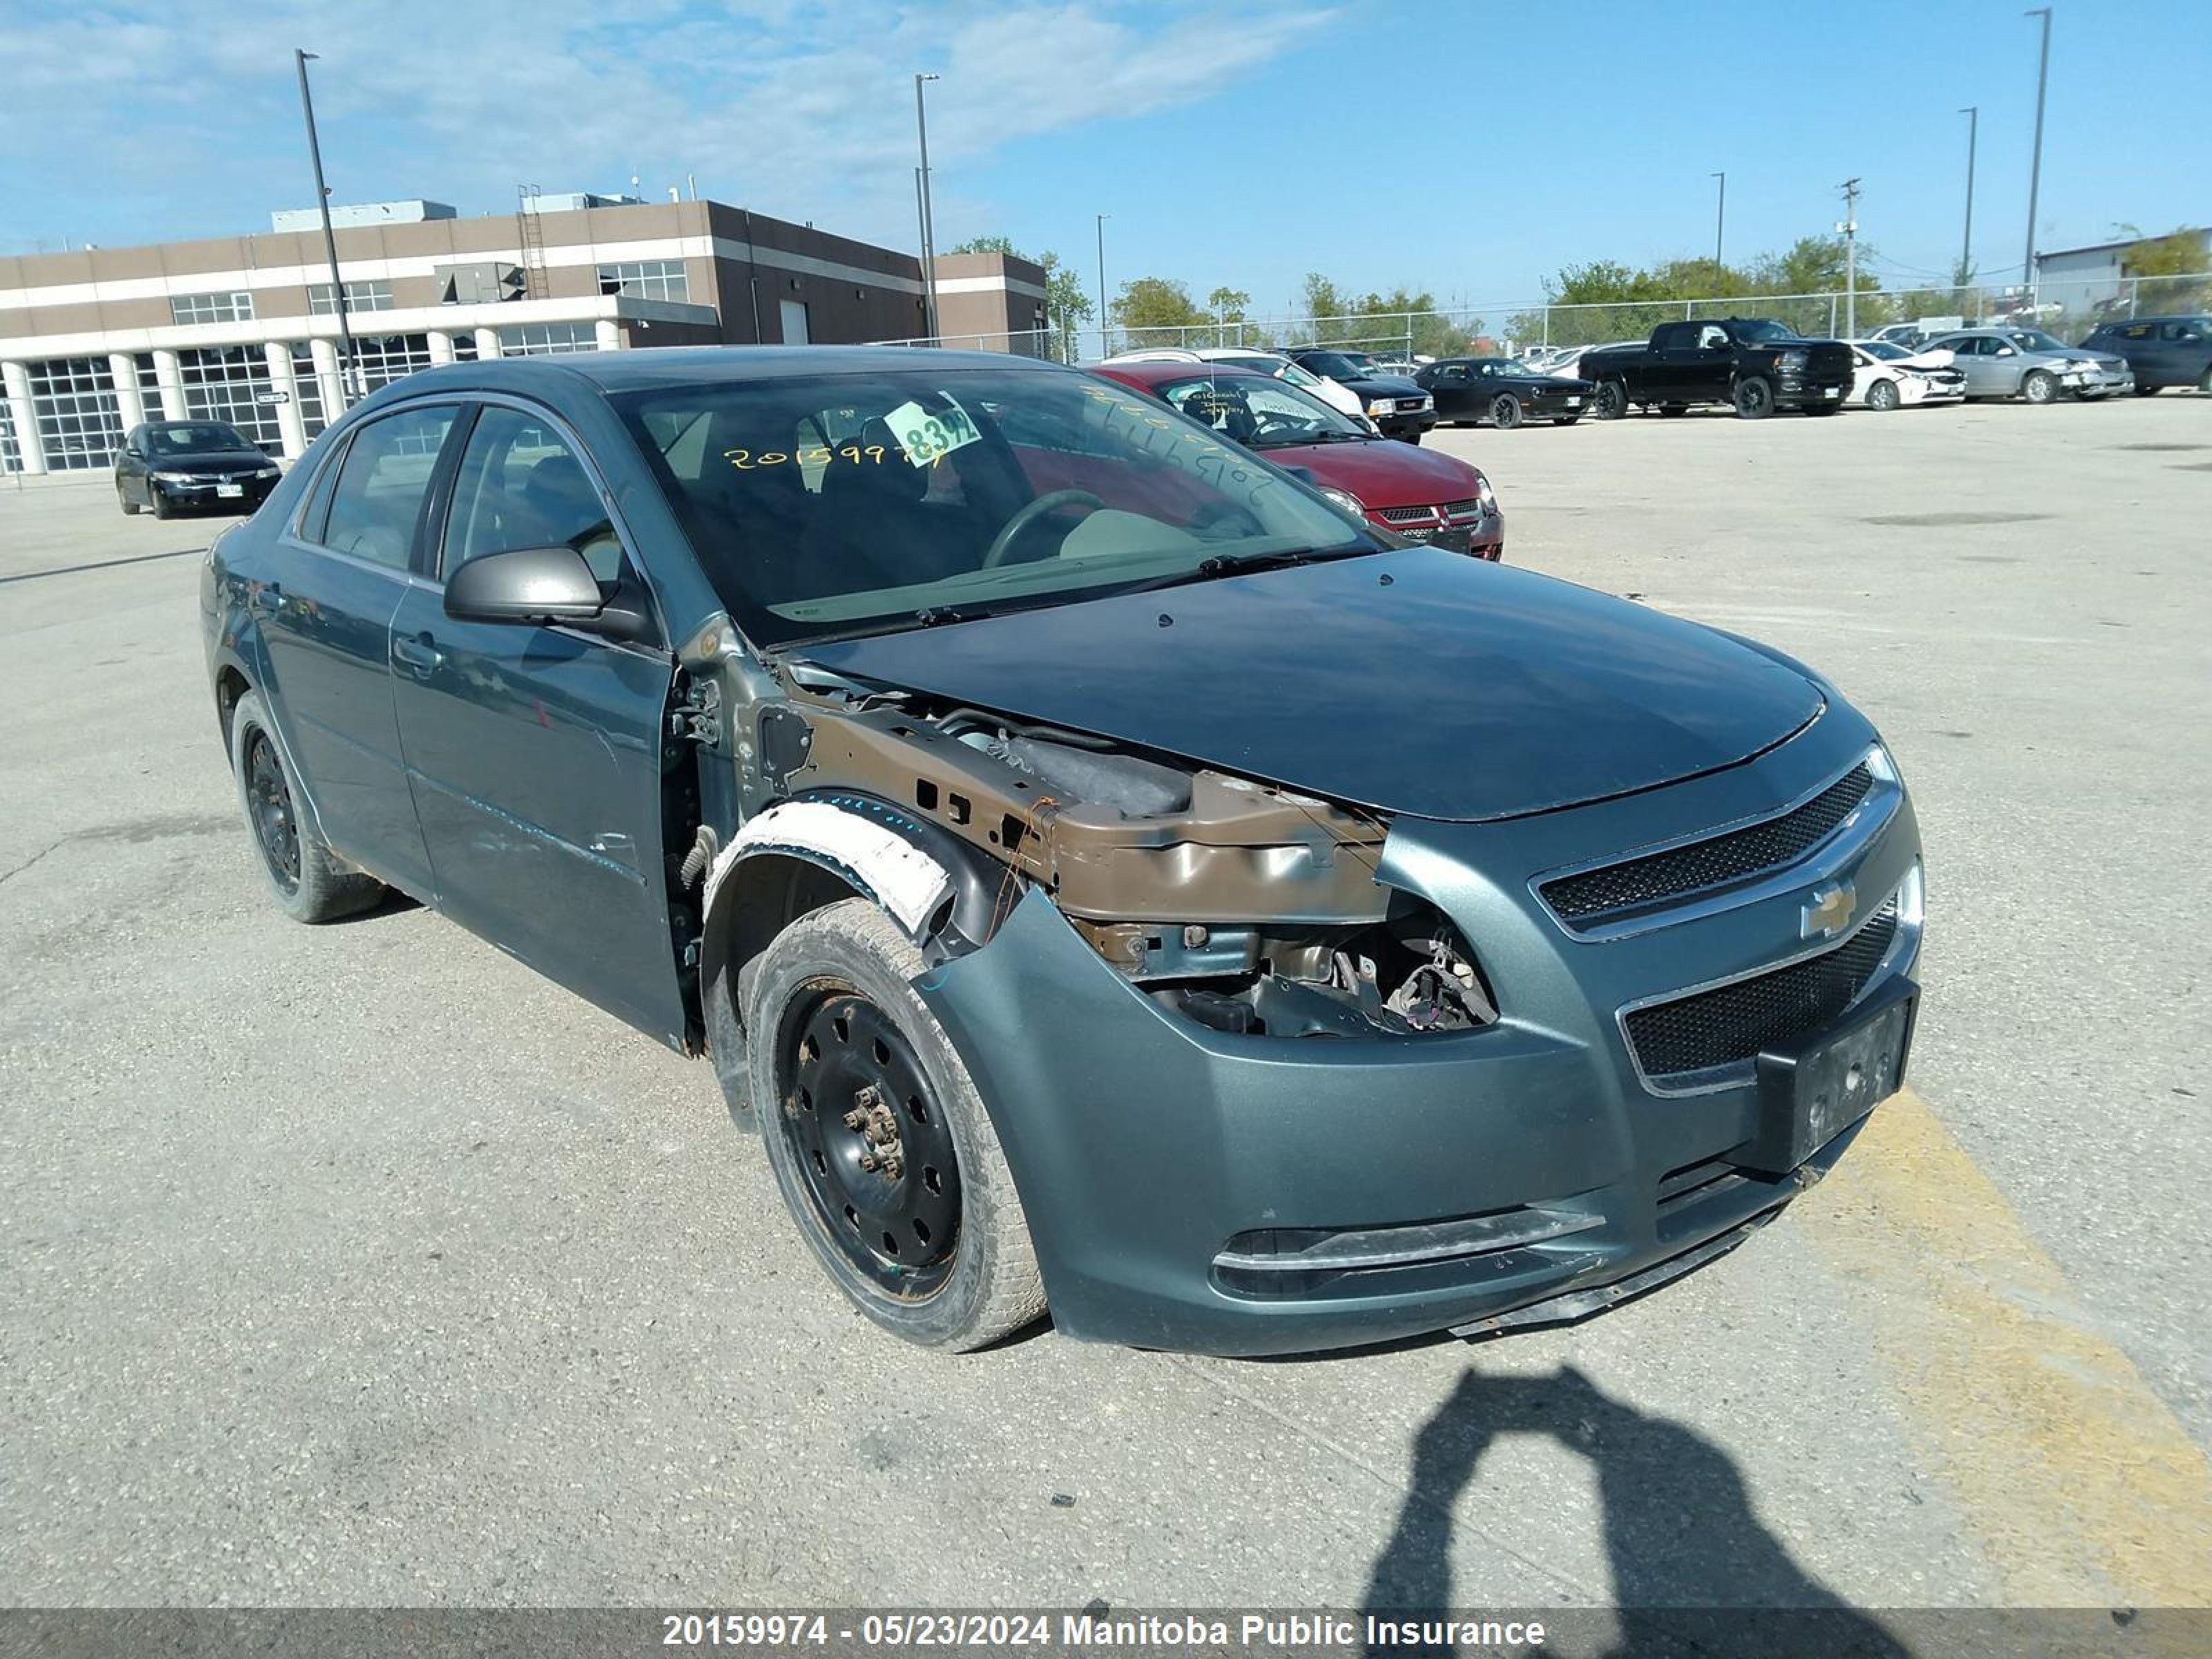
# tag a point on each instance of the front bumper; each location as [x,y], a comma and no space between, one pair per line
[1796,392]
[1408,424]
[1155,1157]
[251,492]
[2104,383]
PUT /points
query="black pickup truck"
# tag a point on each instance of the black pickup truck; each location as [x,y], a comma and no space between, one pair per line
[1753,362]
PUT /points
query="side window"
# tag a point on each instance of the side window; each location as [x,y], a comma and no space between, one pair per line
[520,486]
[2136,332]
[381,483]
[1672,336]
[2166,331]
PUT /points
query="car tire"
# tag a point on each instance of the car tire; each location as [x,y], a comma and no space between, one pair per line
[161,503]
[307,882]
[1882,396]
[846,1062]
[2142,390]
[1566,420]
[2040,386]
[1610,402]
[1505,411]
[1754,398]
[130,508]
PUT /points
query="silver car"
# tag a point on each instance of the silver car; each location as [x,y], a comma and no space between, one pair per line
[2025,362]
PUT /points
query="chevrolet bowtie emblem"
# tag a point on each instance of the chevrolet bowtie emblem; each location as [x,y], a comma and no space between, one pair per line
[1829,910]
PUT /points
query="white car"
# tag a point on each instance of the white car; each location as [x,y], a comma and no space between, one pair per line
[1336,396]
[1885,375]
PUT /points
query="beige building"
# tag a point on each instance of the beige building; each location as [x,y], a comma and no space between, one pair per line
[245,329]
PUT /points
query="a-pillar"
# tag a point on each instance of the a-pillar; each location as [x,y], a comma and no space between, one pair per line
[15,379]
[289,426]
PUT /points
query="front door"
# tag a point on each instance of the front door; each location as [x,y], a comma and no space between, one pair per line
[535,753]
[332,583]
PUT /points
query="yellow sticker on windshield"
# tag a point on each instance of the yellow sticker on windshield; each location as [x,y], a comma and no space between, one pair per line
[928,437]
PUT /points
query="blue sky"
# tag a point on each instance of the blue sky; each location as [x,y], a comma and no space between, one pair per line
[1463,146]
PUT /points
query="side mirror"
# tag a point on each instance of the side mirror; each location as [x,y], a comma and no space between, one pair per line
[527,585]
[2007,351]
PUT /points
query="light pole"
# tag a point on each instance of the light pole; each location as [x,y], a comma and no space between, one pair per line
[928,223]
[1973,114]
[330,236]
[1105,341]
[1850,230]
[2035,166]
[1720,221]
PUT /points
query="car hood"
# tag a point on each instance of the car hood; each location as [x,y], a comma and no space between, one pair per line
[212,460]
[1381,471]
[1384,386]
[1416,682]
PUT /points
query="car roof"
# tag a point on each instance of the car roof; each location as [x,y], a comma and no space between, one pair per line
[667,365]
[1154,373]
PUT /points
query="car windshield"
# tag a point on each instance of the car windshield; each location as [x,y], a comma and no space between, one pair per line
[2034,339]
[1762,329]
[1260,413]
[1889,350]
[201,438]
[1337,365]
[839,504]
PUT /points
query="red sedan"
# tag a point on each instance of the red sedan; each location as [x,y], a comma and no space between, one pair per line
[1415,493]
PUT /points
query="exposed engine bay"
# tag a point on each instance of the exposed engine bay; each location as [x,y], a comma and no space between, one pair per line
[1242,906]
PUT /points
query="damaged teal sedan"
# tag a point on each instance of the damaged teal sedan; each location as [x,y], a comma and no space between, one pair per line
[1106,876]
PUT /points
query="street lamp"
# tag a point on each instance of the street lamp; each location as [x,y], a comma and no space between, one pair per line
[330,237]
[1973,114]
[1720,220]
[928,223]
[2035,167]
[1105,342]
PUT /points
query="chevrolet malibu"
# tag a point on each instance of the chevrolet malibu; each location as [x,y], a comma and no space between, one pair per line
[1102,874]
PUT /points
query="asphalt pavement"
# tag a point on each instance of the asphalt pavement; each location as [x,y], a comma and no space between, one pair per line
[358,1266]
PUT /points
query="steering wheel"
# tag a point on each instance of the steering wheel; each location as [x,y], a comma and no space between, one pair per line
[1050,502]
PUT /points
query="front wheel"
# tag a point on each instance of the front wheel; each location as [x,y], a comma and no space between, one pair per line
[308,884]
[1882,395]
[161,504]
[122,500]
[1612,399]
[1505,411]
[1754,398]
[2040,387]
[881,1145]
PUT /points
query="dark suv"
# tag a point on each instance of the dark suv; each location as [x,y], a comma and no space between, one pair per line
[1099,868]
[2163,351]
[1398,408]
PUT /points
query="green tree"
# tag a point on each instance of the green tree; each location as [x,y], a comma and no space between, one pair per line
[2159,262]
[1154,311]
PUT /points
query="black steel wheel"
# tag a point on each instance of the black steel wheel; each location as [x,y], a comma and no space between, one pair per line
[308,883]
[871,1140]
[881,1145]
[1505,411]
[1754,398]
[1611,401]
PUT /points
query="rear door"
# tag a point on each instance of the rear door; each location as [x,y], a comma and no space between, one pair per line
[534,753]
[337,575]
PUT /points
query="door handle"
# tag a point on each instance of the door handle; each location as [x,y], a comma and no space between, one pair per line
[420,654]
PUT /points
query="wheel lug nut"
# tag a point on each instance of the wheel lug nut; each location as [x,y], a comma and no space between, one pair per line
[854,1120]
[867,1160]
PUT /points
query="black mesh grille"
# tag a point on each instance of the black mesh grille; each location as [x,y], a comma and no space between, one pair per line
[1733,1023]
[1713,862]
[1410,514]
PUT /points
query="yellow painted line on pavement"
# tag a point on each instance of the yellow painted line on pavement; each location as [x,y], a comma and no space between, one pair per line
[2076,1478]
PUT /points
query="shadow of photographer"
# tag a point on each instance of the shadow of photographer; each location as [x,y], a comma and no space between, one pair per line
[1691,1564]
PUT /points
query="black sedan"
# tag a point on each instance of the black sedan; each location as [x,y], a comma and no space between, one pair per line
[166,464]
[1501,392]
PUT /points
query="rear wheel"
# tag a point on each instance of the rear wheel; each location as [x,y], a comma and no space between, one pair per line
[1505,411]
[1882,395]
[880,1142]
[1611,400]
[306,882]
[1754,398]
[2039,387]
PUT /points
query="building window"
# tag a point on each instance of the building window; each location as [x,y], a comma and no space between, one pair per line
[374,295]
[542,339]
[464,346]
[381,359]
[646,279]
[73,409]
[11,454]
[308,390]
[212,307]
[150,384]
[232,383]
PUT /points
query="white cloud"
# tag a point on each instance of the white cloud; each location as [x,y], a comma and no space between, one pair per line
[792,107]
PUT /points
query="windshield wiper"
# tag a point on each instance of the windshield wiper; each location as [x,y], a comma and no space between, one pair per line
[935,616]
[1217,566]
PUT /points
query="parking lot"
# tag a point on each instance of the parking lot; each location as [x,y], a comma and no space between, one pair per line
[358,1265]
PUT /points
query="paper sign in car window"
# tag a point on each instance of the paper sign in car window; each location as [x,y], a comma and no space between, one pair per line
[928,437]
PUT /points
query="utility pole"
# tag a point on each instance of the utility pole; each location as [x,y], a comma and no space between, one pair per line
[928,222]
[1105,341]
[1850,230]
[2035,165]
[1720,220]
[1973,114]
[330,237]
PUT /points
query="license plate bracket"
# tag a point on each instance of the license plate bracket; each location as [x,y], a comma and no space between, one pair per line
[1812,1090]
